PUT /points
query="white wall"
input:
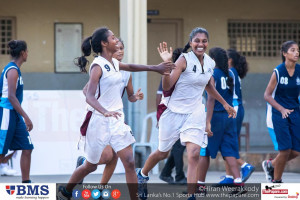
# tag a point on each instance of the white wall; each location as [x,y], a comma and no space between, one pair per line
[56,116]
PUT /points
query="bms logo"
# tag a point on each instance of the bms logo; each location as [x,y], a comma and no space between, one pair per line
[27,189]
[10,189]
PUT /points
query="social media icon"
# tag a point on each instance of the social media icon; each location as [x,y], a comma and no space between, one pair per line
[96,194]
[76,194]
[105,194]
[86,194]
[116,194]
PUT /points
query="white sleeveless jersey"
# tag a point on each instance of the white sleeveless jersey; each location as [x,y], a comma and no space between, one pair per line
[189,88]
[110,84]
[125,79]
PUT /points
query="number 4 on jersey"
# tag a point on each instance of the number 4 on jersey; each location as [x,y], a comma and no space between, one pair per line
[194,68]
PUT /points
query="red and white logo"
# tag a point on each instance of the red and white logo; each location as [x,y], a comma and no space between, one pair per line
[86,194]
[116,194]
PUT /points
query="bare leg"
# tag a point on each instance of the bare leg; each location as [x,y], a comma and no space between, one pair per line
[293,154]
[6,158]
[193,151]
[153,159]
[126,156]
[25,164]
[79,174]
[228,171]
[233,166]
[202,168]
[240,161]
[279,163]
[110,158]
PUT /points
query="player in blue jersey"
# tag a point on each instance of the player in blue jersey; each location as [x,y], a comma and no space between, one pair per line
[238,66]
[224,137]
[14,130]
[283,111]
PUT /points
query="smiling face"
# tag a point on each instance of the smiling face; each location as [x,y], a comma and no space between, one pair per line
[292,53]
[112,42]
[199,44]
[120,53]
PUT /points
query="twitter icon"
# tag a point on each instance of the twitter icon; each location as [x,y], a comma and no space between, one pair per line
[96,194]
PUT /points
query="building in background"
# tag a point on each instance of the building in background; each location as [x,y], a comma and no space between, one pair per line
[54,29]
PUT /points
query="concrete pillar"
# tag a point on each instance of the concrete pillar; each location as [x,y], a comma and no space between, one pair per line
[133,30]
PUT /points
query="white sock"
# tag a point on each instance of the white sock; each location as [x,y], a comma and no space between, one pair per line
[200,182]
[244,165]
[143,175]
[237,180]
[228,176]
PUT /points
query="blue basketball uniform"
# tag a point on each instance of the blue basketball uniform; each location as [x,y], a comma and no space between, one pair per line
[224,137]
[285,133]
[237,101]
[13,133]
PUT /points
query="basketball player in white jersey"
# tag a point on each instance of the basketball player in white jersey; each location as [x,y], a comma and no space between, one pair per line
[106,126]
[184,117]
[109,156]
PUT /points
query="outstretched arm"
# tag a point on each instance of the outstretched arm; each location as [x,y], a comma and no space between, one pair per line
[162,68]
[268,97]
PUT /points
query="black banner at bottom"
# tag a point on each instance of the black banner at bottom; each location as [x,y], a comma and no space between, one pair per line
[162,191]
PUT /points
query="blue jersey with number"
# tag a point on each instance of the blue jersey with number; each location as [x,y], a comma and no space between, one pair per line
[222,87]
[287,90]
[237,92]
[4,102]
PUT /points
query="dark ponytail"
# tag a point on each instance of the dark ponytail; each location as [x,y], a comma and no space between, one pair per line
[177,52]
[16,47]
[285,47]
[220,57]
[91,43]
[239,62]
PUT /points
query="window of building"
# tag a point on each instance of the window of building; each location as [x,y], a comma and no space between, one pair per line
[261,38]
[7,33]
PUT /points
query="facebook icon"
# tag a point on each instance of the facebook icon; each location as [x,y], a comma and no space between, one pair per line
[76,194]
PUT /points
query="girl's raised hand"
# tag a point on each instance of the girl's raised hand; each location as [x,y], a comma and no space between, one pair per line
[164,53]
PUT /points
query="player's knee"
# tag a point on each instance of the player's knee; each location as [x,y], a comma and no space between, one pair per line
[90,167]
[114,157]
[129,162]
[285,153]
[294,154]
[194,155]
[163,155]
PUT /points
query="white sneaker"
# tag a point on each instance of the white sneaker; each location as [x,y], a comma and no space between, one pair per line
[6,171]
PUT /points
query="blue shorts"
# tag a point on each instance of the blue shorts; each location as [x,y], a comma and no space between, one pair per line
[224,137]
[13,133]
[287,131]
[239,119]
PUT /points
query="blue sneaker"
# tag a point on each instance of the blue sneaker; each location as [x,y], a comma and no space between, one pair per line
[80,161]
[227,181]
[246,172]
[142,184]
